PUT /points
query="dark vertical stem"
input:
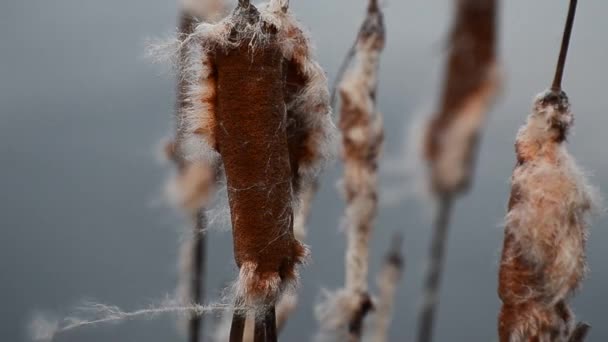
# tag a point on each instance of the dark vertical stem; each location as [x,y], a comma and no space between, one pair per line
[271,325]
[563,53]
[238,322]
[198,272]
[244,3]
[580,332]
[433,277]
[259,329]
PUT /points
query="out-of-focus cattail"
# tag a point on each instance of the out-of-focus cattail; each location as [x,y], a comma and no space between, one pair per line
[192,186]
[451,138]
[260,107]
[387,281]
[362,136]
[470,84]
[191,190]
[543,257]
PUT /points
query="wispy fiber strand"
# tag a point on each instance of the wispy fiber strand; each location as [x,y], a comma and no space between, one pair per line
[362,137]
[387,282]
[451,137]
[543,259]
[91,314]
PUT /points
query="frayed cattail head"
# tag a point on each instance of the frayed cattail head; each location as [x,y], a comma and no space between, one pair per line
[362,138]
[470,84]
[258,101]
[543,258]
[253,145]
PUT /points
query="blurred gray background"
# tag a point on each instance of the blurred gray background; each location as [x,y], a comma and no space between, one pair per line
[81,114]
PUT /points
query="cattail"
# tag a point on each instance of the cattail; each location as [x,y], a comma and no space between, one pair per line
[362,136]
[451,138]
[194,181]
[543,257]
[261,109]
[387,281]
[470,83]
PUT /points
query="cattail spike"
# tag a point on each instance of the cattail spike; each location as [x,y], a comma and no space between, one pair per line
[563,53]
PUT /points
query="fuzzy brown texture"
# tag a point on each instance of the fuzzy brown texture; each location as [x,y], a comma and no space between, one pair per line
[252,141]
[543,257]
[470,82]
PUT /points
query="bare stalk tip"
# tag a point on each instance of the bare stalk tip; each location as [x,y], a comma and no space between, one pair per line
[244,3]
[561,62]
[373,6]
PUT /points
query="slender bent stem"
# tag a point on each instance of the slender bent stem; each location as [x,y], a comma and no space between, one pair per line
[563,53]
[433,278]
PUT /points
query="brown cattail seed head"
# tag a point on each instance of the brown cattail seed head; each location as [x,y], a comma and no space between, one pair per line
[543,258]
[257,102]
[252,140]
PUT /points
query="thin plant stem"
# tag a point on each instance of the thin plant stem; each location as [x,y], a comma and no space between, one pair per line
[196,323]
[237,327]
[271,325]
[563,53]
[435,268]
[259,330]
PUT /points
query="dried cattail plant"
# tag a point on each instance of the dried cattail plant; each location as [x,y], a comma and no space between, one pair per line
[259,105]
[387,282]
[451,138]
[362,136]
[543,257]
